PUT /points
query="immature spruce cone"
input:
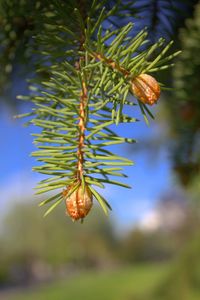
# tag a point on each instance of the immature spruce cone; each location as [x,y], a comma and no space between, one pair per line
[79,203]
[146,89]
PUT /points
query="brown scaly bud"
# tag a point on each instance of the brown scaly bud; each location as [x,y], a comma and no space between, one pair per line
[146,89]
[79,203]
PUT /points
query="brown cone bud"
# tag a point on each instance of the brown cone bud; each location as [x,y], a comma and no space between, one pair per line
[146,89]
[79,203]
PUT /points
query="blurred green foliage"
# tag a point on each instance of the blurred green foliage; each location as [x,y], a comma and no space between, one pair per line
[185,103]
[28,239]
[35,249]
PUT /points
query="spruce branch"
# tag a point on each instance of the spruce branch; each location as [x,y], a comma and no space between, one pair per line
[90,80]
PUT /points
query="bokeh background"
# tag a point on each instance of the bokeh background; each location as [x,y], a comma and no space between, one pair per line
[148,249]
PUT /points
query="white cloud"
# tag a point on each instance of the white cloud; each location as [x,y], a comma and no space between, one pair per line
[15,189]
[130,212]
[151,221]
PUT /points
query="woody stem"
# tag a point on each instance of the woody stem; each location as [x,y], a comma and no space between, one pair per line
[81,125]
[111,63]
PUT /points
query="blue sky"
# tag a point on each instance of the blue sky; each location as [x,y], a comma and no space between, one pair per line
[149,177]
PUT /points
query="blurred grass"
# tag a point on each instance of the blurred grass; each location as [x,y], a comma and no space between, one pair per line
[128,283]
